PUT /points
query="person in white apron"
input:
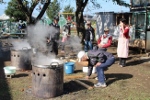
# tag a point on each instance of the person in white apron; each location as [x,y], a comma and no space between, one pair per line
[105,40]
[123,43]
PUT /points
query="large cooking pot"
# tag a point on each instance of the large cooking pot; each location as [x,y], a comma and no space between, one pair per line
[21,59]
[47,80]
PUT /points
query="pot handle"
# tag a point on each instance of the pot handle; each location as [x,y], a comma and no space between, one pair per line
[24,48]
[54,66]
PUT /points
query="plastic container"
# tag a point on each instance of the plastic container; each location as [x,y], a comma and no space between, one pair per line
[9,70]
[85,70]
[69,67]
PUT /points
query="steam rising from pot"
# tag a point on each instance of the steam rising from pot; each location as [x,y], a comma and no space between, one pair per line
[36,39]
[75,43]
[41,59]
[20,44]
[37,35]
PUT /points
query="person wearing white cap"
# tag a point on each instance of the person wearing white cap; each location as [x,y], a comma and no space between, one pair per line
[99,59]
[105,40]
[80,55]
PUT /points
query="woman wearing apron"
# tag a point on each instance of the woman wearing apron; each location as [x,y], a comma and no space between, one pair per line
[123,43]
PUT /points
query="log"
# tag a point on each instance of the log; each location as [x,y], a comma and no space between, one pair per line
[83,84]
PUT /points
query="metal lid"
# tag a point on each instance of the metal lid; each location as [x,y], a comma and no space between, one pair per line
[52,64]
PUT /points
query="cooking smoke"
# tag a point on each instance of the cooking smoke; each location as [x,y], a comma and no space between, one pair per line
[37,35]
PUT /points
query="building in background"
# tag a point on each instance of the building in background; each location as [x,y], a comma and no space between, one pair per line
[141,21]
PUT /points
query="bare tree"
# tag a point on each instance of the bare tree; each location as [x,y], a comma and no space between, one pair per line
[29,8]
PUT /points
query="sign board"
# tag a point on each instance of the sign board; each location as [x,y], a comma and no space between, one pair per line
[139,5]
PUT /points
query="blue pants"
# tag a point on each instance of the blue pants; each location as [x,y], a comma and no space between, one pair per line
[100,69]
[88,45]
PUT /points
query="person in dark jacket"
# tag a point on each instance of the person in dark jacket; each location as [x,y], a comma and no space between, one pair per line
[89,37]
[69,27]
[53,39]
[99,59]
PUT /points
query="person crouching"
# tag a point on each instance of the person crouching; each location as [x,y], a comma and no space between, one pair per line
[99,59]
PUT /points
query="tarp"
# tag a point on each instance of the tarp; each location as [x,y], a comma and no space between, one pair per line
[103,20]
[62,21]
[48,21]
[107,19]
[4,17]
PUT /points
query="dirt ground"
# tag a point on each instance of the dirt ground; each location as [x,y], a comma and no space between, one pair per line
[127,83]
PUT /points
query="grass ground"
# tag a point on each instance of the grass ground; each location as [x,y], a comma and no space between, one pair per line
[128,83]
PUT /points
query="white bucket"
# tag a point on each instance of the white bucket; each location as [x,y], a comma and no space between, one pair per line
[85,70]
[9,70]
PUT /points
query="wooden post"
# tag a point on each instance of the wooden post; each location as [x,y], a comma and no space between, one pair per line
[146,29]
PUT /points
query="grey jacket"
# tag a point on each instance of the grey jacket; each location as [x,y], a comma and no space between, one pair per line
[98,56]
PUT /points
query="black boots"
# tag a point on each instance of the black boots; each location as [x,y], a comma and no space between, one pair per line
[122,62]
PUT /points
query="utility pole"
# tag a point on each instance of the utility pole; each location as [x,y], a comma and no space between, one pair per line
[146,26]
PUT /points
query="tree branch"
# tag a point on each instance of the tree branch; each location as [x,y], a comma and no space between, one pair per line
[33,5]
[121,2]
[43,10]
[84,4]
[25,10]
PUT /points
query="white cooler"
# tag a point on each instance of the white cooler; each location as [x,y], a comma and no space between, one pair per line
[85,70]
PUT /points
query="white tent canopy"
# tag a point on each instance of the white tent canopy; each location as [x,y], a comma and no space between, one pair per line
[4,17]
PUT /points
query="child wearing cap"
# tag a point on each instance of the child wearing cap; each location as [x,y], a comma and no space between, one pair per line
[65,35]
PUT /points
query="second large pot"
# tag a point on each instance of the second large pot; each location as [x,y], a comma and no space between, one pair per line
[21,59]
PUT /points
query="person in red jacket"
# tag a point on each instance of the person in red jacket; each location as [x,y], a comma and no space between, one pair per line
[123,42]
[105,40]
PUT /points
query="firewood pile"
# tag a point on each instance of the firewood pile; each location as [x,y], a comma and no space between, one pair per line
[139,43]
[114,42]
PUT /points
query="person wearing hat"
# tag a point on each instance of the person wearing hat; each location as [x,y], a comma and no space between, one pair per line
[105,40]
[55,22]
[89,37]
[53,40]
[101,60]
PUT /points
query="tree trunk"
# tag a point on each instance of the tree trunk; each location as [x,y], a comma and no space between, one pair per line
[45,6]
[79,18]
[80,25]
[30,20]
